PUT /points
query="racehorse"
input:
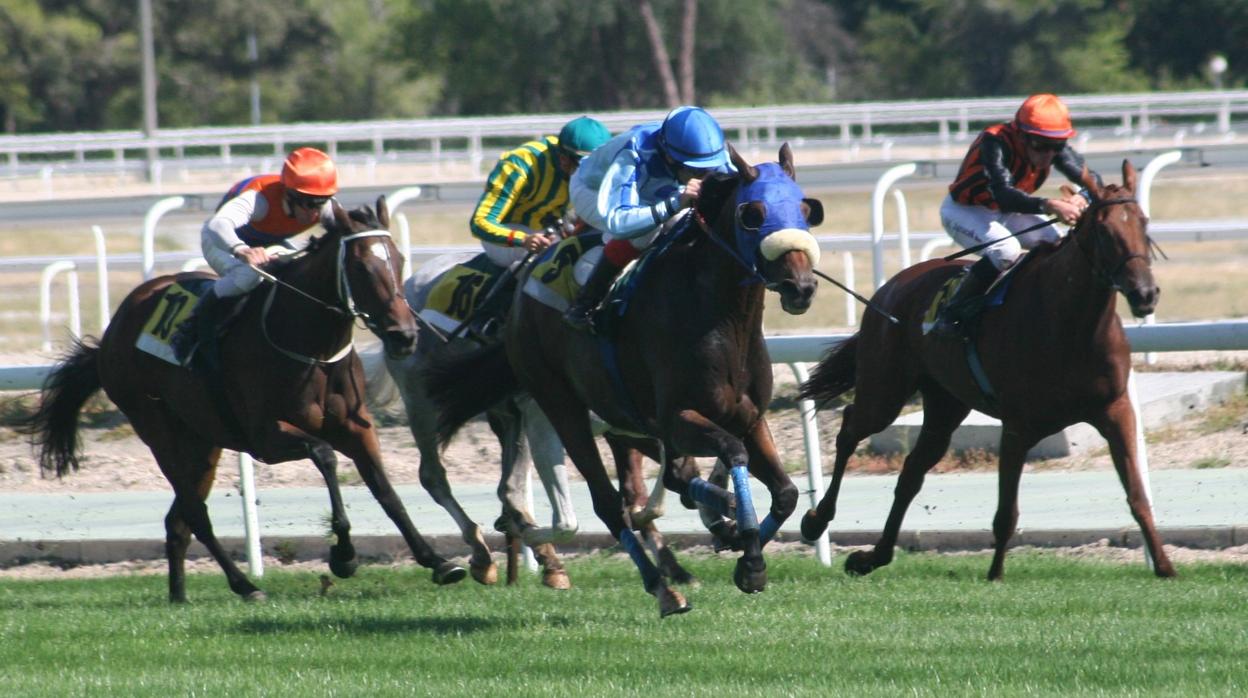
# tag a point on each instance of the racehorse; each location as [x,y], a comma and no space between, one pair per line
[390,378]
[516,421]
[290,387]
[1055,354]
[690,374]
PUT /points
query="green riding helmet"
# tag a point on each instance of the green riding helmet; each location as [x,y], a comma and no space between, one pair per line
[581,135]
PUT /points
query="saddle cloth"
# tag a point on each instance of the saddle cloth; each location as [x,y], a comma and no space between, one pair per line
[459,291]
[174,307]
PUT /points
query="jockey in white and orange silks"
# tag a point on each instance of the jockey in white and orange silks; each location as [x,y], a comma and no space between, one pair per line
[992,196]
[629,187]
[257,213]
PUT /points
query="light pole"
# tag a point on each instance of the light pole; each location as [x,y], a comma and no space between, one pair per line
[149,85]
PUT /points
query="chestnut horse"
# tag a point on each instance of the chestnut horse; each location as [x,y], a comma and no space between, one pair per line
[692,376]
[291,387]
[1054,355]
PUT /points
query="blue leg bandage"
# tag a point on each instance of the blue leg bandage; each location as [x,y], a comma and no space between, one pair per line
[746,519]
[767,530]
[650,575]
[711,495]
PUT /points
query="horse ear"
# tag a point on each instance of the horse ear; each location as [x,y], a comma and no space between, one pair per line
[786,161]
[383,212]
[748,172]
[341,217]
[1128,175]
[1089,182]
[814,212]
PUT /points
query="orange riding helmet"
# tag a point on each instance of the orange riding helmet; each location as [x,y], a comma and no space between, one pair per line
[1045,115]
[311,172]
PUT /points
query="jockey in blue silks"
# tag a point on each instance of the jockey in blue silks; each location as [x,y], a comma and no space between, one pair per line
[633,184]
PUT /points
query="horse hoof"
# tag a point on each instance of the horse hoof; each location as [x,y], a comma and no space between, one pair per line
[256,596]
[672,602]
[448,573]
[859,564]
[342,569]
[557,579]
[748,580]
[485,574]
[812,527]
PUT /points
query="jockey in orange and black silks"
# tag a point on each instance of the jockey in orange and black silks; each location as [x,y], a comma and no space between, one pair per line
[778,225]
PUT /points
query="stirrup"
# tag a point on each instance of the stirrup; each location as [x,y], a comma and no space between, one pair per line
[580,320]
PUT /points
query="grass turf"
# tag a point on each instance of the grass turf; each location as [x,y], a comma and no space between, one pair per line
[927,625]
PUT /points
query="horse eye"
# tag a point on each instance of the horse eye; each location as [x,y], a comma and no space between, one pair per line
[751,215]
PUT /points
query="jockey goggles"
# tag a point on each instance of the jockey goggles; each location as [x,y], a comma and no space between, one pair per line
[1045,145]
[311,203]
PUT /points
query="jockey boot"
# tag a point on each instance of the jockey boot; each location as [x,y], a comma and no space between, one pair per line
[207,318]
[579,315]
[962,305]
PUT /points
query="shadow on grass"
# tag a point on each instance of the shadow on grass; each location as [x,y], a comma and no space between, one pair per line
[387,625]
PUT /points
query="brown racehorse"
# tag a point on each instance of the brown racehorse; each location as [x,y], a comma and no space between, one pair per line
[1054,355]
[290,380]
[694,377]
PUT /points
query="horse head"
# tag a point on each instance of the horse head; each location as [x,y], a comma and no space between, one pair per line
[771,228]
[370,272]
[1113,235]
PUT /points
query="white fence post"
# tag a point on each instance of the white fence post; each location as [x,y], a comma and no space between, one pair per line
[251,520]
[45,300]
[882,186]
[814,460]
[396,199]
[1144,194]
[153,215]
[101,277]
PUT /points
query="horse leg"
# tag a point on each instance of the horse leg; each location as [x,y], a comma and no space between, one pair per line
[1118,427]
[571,420]
[766,466]
[360,445]
[875,406]
[547,456]
[190,467]
[942,413]
[693,433]
[421,417]
[341,554]
[516,519]
[629,469]
[1013,452]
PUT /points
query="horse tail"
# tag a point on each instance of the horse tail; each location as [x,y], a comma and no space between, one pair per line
[465,385]
[834,374]
[380,390]
[54,426]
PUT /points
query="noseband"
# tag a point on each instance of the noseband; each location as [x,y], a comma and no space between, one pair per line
[1087,219]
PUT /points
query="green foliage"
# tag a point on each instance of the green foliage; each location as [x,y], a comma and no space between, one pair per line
[69,65]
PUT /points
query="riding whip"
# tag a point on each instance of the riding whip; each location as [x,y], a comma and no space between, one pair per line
[990,243]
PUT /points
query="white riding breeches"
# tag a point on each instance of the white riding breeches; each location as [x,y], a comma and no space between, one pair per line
[506,256]
[975,225]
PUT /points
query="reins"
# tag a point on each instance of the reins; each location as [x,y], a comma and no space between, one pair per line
[1086,221]
[345,306]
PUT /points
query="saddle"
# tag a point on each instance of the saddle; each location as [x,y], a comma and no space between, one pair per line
[470,291]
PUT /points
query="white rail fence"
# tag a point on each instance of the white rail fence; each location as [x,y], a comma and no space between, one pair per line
[792,350]
[462,139]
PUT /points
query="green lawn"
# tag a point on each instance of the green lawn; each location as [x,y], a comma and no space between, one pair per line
[928,625]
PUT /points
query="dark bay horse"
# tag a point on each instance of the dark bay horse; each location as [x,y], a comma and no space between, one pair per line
[693,378]
[291,387]
[1055,354]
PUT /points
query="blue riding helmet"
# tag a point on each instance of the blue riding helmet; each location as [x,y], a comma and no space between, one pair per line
[693,138]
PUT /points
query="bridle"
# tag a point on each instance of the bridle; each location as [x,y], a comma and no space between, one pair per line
[345,304]
[1107,277]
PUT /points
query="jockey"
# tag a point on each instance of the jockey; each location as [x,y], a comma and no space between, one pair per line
[255,213]
[635,183]
[992,196]
[528,189]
